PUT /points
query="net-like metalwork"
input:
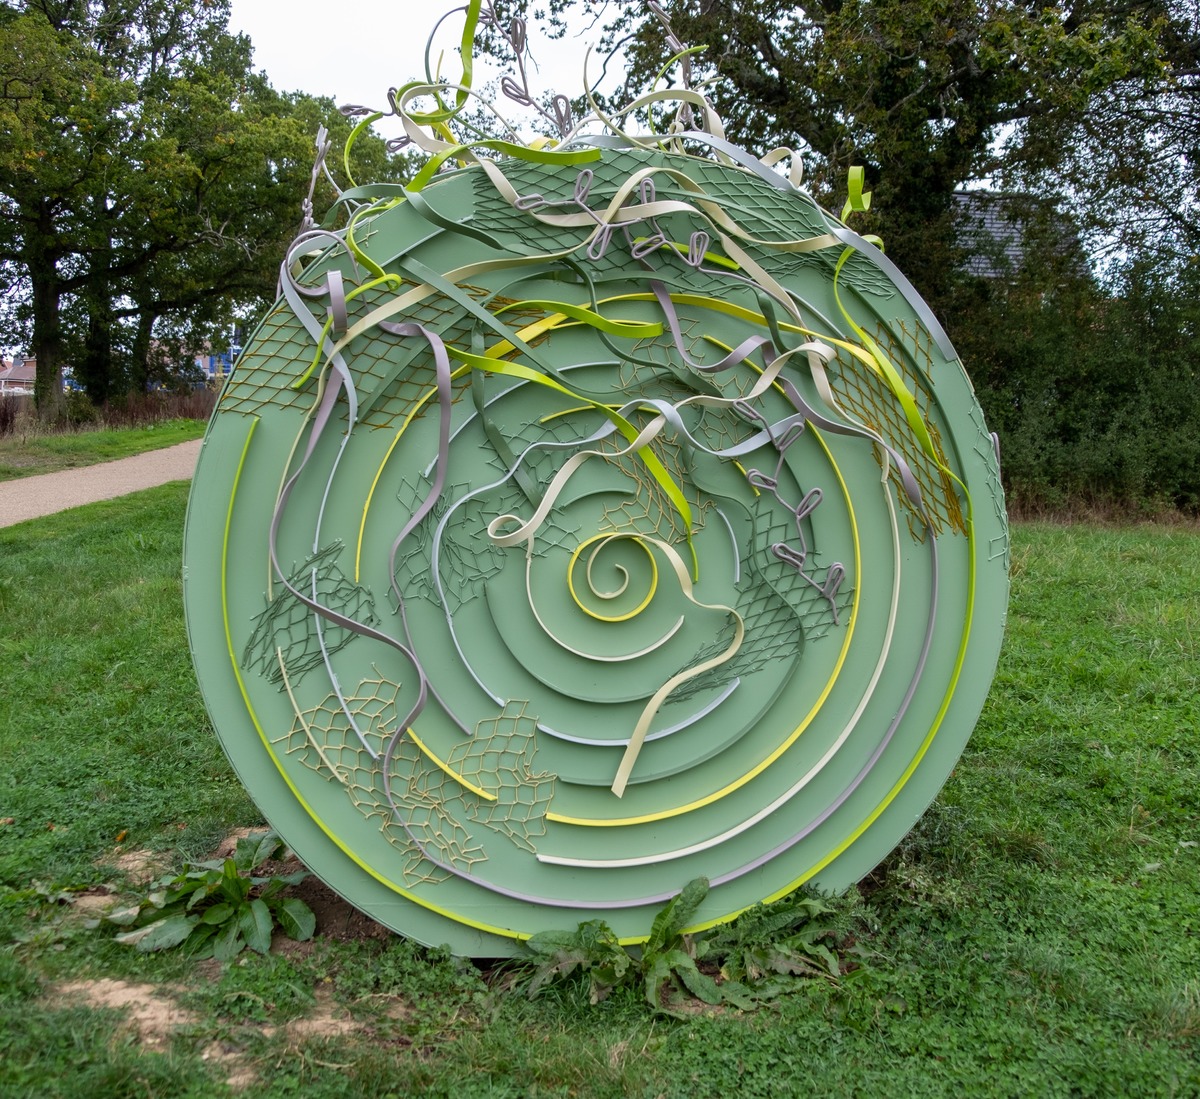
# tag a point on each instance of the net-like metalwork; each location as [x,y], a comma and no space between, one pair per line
[288,625]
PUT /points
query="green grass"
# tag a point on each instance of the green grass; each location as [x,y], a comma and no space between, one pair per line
[25,454]
[1038,933]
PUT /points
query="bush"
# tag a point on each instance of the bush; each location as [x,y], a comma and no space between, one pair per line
[12,408]
[79,411]
[143,409]
[1095,396]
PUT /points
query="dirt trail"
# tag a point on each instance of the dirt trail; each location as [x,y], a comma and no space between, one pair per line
[33,497]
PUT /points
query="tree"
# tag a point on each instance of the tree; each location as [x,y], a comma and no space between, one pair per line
[922,93]
[150,183]
[1095,394]
[1086,111]
[1131,159]
[45,161]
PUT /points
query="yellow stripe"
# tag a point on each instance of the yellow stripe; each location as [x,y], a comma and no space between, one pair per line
[742,470]
[929,737]
[437,761]
[616,617]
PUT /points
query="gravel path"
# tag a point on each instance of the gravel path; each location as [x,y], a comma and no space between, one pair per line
[33,497]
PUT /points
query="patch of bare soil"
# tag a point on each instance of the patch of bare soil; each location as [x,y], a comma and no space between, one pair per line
[227,846]
[154,1017]
[152,1013]
[337,919]
[146,1009]
[240,1075]
[139,864]
[94,901]
[327,1020]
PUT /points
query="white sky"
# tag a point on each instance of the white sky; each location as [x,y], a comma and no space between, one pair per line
[354,50]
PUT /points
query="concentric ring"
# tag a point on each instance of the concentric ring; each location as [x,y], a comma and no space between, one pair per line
[567,533]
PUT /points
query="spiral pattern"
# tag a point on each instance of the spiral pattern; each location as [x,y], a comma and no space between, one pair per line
[571,530]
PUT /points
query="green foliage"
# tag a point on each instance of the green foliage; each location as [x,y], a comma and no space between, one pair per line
[919,93]
[17,983]
[410,993]
[1092,108]
[1095,396]
[102,728]
[149,182]
[258,988]
[1129,158]
[592,948]
[787,939]
[80,411]
[669,956]
[218,907]
[400,967]
[77,1051]
[741,964]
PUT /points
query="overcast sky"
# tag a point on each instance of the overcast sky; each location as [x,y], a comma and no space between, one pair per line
[354,50]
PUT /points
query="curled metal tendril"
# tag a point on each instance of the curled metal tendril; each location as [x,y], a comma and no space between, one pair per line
[638,249]
[517,89]
[324,144]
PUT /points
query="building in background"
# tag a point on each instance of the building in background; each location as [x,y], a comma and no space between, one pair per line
[17,375]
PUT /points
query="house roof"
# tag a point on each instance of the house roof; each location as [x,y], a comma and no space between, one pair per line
[18,372]
[994,228]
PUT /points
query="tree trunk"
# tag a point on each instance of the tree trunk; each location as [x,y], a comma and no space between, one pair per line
[46,341]
[139,365]
[95,369]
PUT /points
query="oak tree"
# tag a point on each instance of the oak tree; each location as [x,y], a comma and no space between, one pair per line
[149,185]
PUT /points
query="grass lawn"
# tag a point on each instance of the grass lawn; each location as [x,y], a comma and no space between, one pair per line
[1037,934]
[25,455]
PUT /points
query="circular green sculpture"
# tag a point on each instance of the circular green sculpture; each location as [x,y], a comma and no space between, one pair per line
[581,523]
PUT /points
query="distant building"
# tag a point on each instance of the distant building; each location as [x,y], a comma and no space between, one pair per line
[217,365]
[17,376]
[998,230]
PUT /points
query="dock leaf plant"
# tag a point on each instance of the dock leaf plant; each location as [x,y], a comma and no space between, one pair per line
[218,907]
[756,958]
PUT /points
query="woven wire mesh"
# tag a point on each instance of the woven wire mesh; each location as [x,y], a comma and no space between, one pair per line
[762,212]
[499,759]
[719,428]
[429,802]
[649,510]
[865,395]
[267,369]
[781,609]
[325,740]
[290,627]
[419,789]
[467,558]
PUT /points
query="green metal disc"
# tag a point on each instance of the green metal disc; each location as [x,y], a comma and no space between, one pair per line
[616,539]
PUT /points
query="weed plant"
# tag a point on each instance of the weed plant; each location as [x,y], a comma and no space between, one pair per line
[1037,933]
[216,908]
